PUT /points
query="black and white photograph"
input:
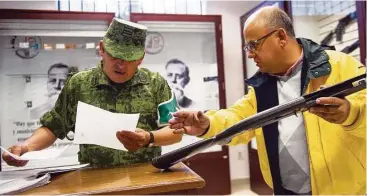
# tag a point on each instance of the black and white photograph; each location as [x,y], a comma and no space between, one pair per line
[186,58]
[56,78]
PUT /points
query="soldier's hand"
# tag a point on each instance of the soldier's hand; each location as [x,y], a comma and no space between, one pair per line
[189,122]
[133,140]
[17,149]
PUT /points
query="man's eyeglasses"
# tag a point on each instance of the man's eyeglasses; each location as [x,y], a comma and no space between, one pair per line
[252,44]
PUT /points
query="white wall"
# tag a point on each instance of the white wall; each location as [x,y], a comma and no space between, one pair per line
[306,26]
[231,12]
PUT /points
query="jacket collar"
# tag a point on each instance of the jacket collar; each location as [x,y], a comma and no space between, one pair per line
[100,78]
[315,58]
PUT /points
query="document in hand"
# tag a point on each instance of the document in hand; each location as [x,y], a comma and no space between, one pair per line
[50,153]
[97,126]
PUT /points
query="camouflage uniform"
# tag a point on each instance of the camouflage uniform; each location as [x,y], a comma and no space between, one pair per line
[146,93]
[142,94]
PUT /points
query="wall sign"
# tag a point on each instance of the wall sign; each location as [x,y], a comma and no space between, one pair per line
[26,47]
[154,43]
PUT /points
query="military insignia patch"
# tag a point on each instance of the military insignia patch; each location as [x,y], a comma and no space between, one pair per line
[166,109]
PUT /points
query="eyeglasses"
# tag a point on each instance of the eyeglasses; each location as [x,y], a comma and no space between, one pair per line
[253,44]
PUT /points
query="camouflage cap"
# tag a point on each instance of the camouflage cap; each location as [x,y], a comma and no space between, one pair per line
[125,40]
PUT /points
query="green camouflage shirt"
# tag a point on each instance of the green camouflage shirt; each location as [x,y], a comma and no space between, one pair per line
[142,94]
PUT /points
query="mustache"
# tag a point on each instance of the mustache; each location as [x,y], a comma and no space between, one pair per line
[53,93]
[176,86]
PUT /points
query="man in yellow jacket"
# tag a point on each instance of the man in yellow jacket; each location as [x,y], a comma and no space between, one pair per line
[321,151]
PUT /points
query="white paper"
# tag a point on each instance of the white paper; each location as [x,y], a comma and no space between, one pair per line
[3,182]
[61,169]
[97,126]
[23,184]
[37,155]
[6,176]
[11,175]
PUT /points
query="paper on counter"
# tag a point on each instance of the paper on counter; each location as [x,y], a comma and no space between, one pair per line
[97,126]
[9,175]
[23,184]
[37,155]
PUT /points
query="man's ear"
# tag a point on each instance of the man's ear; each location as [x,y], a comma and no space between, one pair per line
[139,61]
[187,80]
[101,48]
[282,34]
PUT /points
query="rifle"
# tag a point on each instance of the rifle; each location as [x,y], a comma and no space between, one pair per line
[340,28]
[261,119]
[351,48]
[327,39]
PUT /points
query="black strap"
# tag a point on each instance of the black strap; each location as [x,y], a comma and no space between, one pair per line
[151,139]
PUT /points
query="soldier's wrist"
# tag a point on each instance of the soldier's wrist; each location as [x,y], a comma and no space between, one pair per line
[149,138]
[25,147]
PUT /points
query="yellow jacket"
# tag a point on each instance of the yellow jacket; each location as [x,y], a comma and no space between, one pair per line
[337,152]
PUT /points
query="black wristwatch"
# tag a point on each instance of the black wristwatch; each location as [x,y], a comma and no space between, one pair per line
[151,140]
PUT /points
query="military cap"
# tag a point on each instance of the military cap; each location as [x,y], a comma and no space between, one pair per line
[125,40]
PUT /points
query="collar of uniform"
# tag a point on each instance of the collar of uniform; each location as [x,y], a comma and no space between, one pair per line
[140,77]
[100,77]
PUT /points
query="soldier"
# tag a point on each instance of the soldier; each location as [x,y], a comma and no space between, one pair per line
[118,85]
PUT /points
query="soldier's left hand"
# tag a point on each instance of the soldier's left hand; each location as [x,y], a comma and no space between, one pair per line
[133,140]
[332,109]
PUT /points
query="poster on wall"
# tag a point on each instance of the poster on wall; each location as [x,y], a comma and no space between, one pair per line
[31,86]
[30,96]
[189,68]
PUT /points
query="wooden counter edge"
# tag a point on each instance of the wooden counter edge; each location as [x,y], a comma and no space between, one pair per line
[158,188]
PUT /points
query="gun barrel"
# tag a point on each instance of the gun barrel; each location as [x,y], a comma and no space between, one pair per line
[263,118]
[167,160]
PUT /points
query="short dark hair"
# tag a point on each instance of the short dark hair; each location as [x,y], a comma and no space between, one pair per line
[57,65]
[280,19]
[272,17]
